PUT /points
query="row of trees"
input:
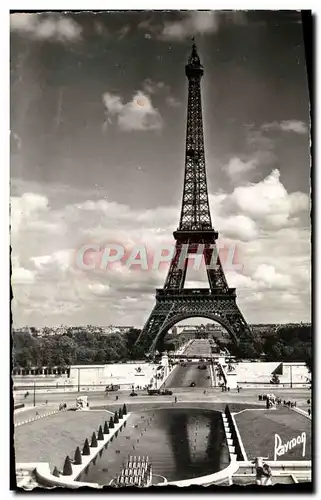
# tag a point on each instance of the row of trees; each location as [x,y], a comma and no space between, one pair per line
[73,347]
[291,343]
[80,346]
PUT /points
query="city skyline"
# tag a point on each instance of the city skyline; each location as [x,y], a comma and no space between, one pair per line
[98,117]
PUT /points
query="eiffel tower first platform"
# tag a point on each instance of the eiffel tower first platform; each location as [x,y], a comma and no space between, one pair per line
[174,302]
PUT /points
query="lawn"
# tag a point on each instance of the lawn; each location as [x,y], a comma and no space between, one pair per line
[50,439]
[257,430]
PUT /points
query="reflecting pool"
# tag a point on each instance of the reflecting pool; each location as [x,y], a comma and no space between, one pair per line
[180,444]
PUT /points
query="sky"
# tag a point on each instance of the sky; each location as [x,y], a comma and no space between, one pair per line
[98,120]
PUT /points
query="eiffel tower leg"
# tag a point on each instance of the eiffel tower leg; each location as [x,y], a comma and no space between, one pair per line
[177,272]
[155,323]
[246,341]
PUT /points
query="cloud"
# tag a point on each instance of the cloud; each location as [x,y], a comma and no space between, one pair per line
[261,154]
[237,167]
[296,126]
[137,114]
[26,207]
[46,27]
[152,87]
[267,277]
[123,31]
[269,200]
[172,102]
[239,227]
[199,23]
[262,220]
[21,276]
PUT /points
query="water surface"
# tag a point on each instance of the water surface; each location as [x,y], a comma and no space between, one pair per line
[180,444]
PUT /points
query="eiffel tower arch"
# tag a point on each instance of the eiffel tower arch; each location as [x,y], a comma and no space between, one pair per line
[195,235]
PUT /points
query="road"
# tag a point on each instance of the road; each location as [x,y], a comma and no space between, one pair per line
[183,376]
[184,394]
[199,347]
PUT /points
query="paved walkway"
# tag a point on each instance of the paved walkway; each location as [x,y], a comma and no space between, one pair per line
[33,412]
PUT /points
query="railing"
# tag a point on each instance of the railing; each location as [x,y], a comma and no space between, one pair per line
[235,437]
[188,292]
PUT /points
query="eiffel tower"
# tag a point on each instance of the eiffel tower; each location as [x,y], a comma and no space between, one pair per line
[174,302]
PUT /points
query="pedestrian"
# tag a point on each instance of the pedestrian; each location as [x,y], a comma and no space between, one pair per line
[204,391]
[309,412]
[175,399]
[268,474]
[260,473]
[116,398]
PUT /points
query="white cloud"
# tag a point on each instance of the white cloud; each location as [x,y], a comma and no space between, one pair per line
[269,200]
[295,126]
[152,87]
[47,283]
[267,277]
[25,207]
[261,154]
[199,23]
[237,167]
[239,227]
[137,114]
[99,289]
[21,276]
[172,101]
[61,259]
[239,281]
[46,26]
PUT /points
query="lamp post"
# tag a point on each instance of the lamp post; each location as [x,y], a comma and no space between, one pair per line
[34,394]
[291,376]
[78,379]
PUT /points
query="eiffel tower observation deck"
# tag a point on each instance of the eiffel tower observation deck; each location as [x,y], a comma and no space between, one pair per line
[195,234]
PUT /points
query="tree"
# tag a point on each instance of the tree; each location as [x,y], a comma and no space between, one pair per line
[86,449]
[100,434]
[56,472]
[94,443]
[78,459]
[67,469]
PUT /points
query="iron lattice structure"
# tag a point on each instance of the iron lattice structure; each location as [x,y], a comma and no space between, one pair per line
[174,302]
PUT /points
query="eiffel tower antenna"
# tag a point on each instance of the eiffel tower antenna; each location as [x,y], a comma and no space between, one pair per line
[174,302]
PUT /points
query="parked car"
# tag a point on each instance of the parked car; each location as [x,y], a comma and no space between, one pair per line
[159,392]
[133,394]
[153,392]
[112,388]
[166,392]
[192,384]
